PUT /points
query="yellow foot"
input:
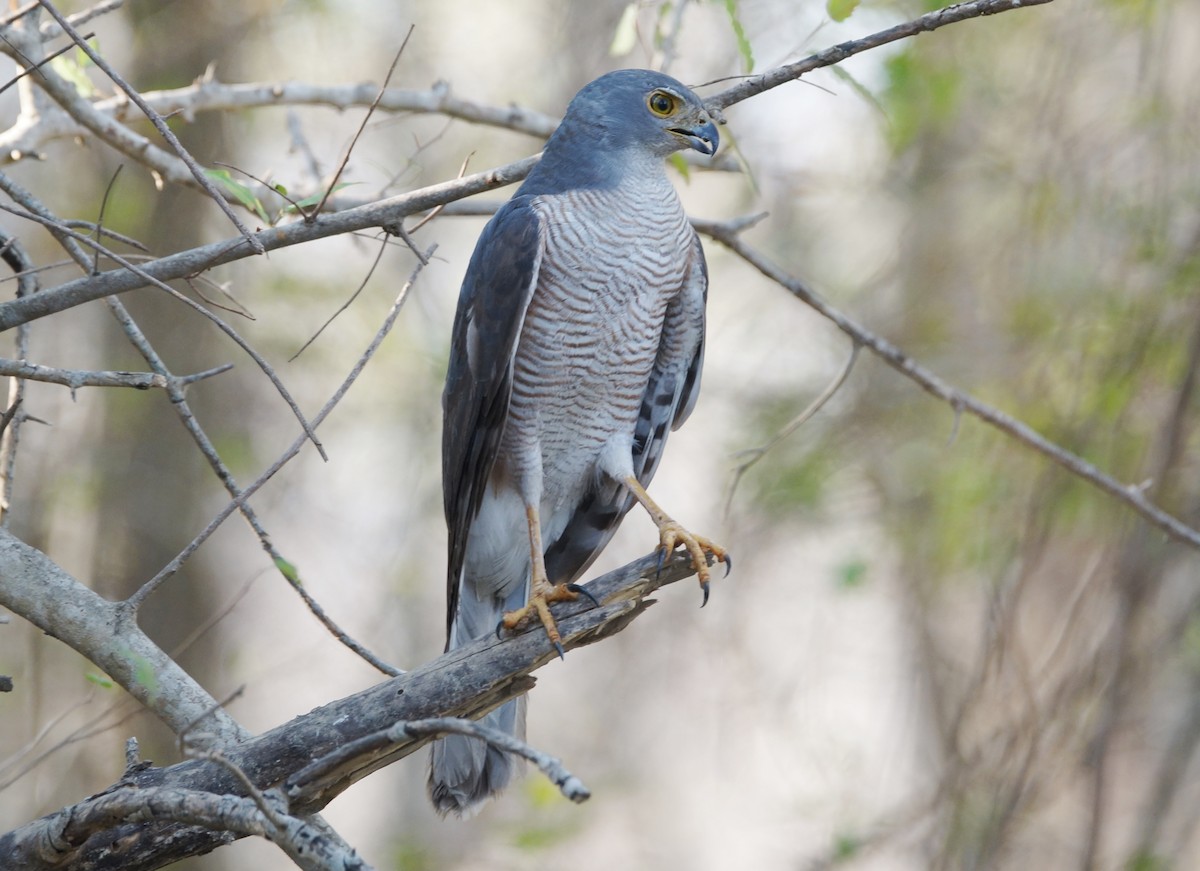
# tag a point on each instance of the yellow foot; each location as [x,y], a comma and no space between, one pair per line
[539,604]
[671,535]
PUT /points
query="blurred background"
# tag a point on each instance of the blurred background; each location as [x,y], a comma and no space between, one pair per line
[937,650]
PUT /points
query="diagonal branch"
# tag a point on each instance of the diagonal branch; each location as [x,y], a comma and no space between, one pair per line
[32,586]
[467,682]
[752,86]
[195,260]
[1132,496]
[76,378]
[157,120]
[394,209]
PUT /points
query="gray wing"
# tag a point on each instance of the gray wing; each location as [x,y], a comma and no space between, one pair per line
[491,311]
[668,401]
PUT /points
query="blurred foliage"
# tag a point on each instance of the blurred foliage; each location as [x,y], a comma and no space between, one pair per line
[840,10]
[1047,264]
[745,51]
[922,94]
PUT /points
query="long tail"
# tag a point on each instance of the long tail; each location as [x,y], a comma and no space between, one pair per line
[466,771]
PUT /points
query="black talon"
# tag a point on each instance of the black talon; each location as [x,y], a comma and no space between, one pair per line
[562,654]
[576,588]
[728,560]
[704,587]
[499,626]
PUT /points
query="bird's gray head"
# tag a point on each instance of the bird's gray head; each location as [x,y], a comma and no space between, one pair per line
[644,110]
[623,122]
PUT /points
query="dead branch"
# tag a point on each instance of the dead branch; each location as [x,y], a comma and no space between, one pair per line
[76,378]
[393,209]
[1131,496]
[467,682]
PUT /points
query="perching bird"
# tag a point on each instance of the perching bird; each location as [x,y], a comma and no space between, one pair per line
[576,348]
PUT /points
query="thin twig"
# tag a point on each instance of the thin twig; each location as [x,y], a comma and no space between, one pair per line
[752,86]
[157,120]
[35,66]
[76,378]
[51,29]
[1130,495]
[237,502]
[756,454]
[405,730]
[345,305]
[361,127]
[61,232]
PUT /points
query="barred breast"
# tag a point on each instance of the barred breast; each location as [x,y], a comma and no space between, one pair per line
[613,260]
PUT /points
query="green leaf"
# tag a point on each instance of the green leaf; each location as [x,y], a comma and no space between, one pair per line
[1145,861]
[840,10]
[677,161]
[851,574]
[625,36]
[739,33]
[100,680]
[240,192]
[846,847]
[288,570]
[73,71]
[316,198]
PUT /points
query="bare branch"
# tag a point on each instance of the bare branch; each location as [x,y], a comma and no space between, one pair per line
[157,120]
[195,260]
[754,85]
[11,421]
[337,173]
[1130,495]
[52,29]
[62,834]
[753,455]
[72,240]
[401,733]
[208,96]
[394,209]
[107,634]
[79,114]
[240,498]
[76,378]
[467,682]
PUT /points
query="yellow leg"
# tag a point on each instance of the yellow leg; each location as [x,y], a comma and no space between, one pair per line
[542,593]
[671,535]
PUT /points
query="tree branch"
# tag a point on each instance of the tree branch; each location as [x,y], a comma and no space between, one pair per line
[752,86]
[195,260]
[467,682]
[76,378]
[1132,496]
[157,120]
[32,586]
[394,209]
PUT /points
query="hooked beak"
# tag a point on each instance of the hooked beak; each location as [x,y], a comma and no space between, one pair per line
[702,136]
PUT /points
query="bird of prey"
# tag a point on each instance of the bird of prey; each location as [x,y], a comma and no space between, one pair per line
[577,347]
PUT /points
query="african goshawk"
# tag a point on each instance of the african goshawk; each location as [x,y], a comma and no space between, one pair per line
[577,347]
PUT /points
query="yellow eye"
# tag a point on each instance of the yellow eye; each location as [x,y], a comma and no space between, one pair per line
[662,104]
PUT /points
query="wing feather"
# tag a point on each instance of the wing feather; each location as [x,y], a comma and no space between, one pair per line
[491,311]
